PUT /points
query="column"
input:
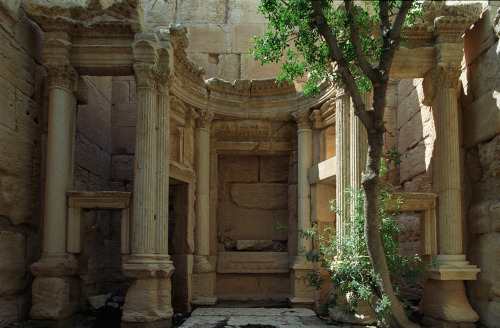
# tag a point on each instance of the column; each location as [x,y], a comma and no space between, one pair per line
[300,294]
[343,102]
[444,296]
[54,295]
[204,264]
[358,143]
[148,300]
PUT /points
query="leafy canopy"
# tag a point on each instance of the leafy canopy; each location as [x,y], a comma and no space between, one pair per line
[294,39]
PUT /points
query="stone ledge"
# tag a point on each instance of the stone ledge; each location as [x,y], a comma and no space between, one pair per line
[323,172]
[252,262]
[454,267]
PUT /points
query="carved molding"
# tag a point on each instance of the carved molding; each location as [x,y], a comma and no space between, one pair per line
[302,119]
[62,75]
[445,77]
[205,118]
[144,75]
[163,81]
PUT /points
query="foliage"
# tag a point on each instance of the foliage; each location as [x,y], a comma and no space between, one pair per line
[293,39]
[346,257]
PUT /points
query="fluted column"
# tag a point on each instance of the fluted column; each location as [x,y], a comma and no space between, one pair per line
[148,299]
[202,169]
[304,145]
[162,85]
[55,271]
[358,145]
[342,157]
[444,295]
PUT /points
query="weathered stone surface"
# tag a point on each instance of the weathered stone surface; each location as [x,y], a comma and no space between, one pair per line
[246,287]
[413,162]
[253,245]
[239,169]
[273,168]
[9,310]
[267,196]
[489,157]
[446,300]
[253,262]
[482,119]
[12,263]
[122,167]
[148,300]
[97,301]
[484,217]
[54,298]
[489,311]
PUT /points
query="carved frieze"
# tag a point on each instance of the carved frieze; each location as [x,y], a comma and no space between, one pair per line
[249,130]
[302,119]
[445,77]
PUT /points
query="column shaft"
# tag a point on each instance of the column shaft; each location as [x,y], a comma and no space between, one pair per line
[145,207]
[59,169]
[342,158]
[202,205]
[447,175]
[303,187]
[163,171]
[358,145]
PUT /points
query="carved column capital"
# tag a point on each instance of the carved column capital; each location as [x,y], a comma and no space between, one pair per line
[302,119]
[205,118]
[62,75]
[445,77]
[163,81]
[145,75]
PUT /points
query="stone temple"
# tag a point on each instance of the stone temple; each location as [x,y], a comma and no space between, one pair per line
[143,154]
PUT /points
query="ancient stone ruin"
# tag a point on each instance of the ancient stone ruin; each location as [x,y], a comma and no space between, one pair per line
[143,155]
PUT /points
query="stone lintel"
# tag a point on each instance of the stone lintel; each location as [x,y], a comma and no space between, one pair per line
[323,172]
[413,202]
[107,200]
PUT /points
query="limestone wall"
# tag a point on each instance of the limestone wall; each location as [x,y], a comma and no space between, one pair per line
[22,123]
[219,34]
[481,125]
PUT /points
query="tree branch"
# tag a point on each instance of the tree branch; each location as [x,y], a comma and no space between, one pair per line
[393,38]
[383,16]
[356,41]
[342,65]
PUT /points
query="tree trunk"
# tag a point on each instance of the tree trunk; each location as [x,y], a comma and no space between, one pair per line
[370,181]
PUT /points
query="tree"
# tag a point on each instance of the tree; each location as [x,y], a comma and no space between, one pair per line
[353,44]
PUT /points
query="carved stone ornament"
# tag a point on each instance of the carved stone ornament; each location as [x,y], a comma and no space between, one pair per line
[204,119]
[163,81]
[445,77]
[302,119]
[145,75]
[62,75]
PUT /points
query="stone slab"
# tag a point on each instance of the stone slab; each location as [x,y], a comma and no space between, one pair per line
[240,317]
[252,262]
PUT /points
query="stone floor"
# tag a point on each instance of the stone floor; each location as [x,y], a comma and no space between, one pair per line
[252,318]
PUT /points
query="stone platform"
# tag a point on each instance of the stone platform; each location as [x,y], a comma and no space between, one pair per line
[252,317]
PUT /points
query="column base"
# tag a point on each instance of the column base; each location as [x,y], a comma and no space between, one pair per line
[144,266]
[55,265]
[55,298]
[453,267]
[300,294]
[446,301]
[148,302]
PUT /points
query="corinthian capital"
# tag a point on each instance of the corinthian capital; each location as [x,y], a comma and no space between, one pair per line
[204,119]
[445,77]
[302,118]
[163,80]
[145,75]
[62,75]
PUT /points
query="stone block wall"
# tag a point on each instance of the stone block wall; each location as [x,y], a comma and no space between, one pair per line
[219,33]
[22,125]
[93,172]
[481,125]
